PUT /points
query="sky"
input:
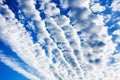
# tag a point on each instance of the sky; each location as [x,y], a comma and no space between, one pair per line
[59,39]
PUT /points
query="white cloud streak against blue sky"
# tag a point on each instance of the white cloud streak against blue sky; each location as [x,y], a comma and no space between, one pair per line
[75,45]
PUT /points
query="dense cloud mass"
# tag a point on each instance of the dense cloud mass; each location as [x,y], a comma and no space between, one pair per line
[61,39]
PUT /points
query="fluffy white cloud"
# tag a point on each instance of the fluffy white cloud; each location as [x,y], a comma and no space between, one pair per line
[71,3]
[97,7]
[66,40]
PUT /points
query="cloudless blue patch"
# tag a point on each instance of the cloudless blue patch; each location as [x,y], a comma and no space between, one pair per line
[38,4]
[79,32]
[54,60]
[72,42]
[118,47]
[111,30]
[46,50]
[90,61]
[116,14]
[107,11]
[13,5]
[97,60]
[64,11]
[109,23]
[113,19]
[6,73]
[100,43]
[105,2]
[88,55]
[76,52]
[69,59]
[96,43]
[109,2]
[42,14]
[114,37]
[34,36]
[112,60]
[68,36]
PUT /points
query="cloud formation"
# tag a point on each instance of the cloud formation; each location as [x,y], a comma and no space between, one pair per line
[69,46]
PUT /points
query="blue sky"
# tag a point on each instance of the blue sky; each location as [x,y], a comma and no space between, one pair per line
[59,39]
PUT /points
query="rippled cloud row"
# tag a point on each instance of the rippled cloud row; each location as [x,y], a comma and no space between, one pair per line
[61,40]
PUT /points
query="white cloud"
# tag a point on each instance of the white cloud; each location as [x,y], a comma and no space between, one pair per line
[55,28]
[77,3]
[117,32]
[44,35]
[58,35]
[115,5]
[28,7]
[92,29]
[21,42]
[51,9]
[97,7]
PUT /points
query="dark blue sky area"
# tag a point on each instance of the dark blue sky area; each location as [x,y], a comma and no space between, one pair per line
[6,73]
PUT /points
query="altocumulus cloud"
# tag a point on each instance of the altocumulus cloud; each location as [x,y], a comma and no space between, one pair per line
[61,40]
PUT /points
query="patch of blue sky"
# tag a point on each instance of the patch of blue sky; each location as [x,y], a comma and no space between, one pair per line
[107,11]
[105,2]
[113,19]
[112,29]
[76,52]
[44,47]
[96,43]
[88,55]
[6,49]
[118,47]
[111,61]
[90,61]
[114,38]
[13,5]
[54,60]
[38,4]
[97,60]
[42,14]
[6,73]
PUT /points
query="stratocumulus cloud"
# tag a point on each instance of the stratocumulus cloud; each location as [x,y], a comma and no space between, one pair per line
[61,40]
